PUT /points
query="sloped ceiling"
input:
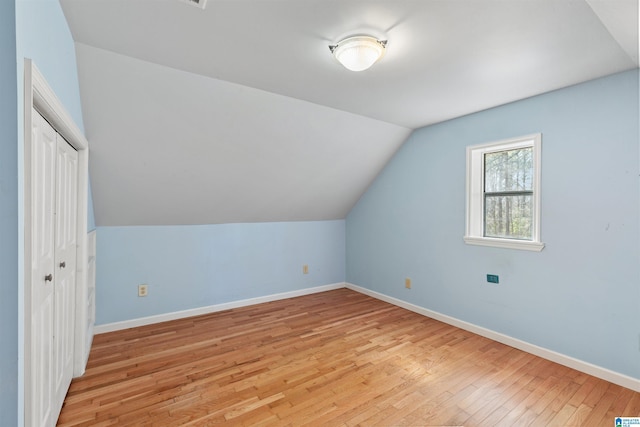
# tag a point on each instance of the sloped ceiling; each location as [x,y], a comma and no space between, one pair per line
[238,112]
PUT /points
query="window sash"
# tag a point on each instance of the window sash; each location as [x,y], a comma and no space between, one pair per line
[508,193]
[475,201]
[511,223]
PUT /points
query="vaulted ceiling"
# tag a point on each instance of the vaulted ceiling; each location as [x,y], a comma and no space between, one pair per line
[238,113]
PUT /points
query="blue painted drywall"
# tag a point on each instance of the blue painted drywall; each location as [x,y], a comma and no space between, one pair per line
[8,217]
[580,296]
[44,37]
[195,266]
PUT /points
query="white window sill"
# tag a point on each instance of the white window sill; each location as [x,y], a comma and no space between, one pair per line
[524,245]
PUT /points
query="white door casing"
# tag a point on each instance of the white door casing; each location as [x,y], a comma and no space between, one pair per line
[38,408]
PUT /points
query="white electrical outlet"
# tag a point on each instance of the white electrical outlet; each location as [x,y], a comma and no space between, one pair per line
[143,290]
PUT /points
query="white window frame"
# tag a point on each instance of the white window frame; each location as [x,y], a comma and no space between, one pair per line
[474,234]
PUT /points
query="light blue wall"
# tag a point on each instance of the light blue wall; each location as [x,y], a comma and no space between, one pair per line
[41,34]
[8,217]
[196,266]
[44,36]
[580,296]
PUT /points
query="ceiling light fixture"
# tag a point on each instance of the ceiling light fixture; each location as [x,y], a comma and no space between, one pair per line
[358,53]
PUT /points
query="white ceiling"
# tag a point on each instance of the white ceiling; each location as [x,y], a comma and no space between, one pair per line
[238,112]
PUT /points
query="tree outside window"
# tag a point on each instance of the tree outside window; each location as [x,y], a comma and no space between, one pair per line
[508,193]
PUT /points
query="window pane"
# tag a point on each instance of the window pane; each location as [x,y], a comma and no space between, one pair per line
[509,217]
[510,170]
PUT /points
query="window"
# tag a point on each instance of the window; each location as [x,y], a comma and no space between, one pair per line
[503,194]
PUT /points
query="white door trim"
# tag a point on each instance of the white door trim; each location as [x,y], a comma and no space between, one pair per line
[38,95]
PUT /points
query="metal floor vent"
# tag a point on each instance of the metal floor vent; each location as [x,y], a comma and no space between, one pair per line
[197,3]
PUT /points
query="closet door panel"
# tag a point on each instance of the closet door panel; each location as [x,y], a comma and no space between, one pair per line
[42,412]
[65,266]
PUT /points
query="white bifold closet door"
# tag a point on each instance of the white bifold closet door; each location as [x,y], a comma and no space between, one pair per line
[54,207]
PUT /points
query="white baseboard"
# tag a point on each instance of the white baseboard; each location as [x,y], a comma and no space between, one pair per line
[142,321]
[579,365]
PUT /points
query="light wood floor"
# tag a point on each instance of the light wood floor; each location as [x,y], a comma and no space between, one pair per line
[336,358]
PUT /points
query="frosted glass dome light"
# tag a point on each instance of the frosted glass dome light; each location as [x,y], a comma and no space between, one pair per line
[358,53]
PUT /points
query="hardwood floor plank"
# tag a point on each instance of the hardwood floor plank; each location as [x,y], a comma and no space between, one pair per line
[623,397]
[562,417]
[336,358]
